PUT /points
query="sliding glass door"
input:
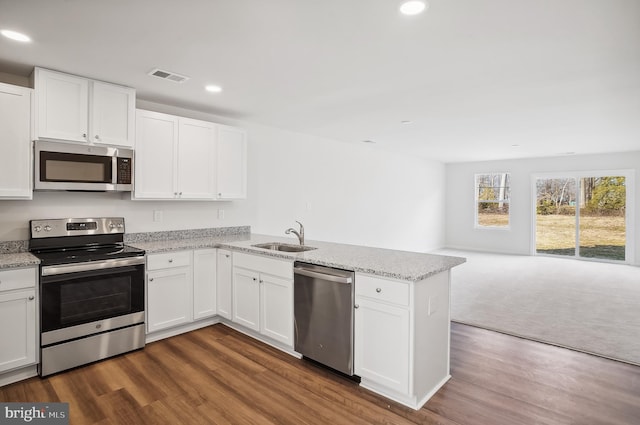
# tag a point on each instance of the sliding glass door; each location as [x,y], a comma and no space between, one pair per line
[582,216]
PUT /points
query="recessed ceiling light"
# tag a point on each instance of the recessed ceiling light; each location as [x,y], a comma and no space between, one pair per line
[515,146]
[213,89]
[406,122]
[368,141]
[413,7]
[17,36]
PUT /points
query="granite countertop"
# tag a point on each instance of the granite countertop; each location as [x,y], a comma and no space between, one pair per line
[402,265]
[16,260]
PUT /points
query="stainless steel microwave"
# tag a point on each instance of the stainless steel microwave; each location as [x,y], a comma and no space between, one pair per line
[76,167]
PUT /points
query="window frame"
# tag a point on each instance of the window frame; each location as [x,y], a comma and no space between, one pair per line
[476,188]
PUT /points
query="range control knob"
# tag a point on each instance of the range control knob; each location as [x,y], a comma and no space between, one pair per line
[112,226]
[120,226]
[37,228]
[47,228]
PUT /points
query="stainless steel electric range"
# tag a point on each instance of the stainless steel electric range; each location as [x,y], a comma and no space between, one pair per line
[91,291]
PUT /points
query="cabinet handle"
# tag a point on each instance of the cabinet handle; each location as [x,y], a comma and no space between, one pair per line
[357,306]
[254,279]
[180,193]
[150,279]
[261,281]
[97,137]
[220,194]
[171,261]
[378,290]
[227,255]
[84,135]
[31,298]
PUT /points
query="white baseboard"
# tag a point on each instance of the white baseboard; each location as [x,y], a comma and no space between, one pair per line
[188,327]
[18,375]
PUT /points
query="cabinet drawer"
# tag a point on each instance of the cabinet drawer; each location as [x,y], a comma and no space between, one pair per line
[17,279]
[282,268]
[168,260]
[391,291]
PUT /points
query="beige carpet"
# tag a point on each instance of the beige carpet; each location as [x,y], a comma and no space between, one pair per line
[587,306]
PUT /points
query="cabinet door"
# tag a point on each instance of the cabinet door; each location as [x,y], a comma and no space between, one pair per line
[18,346]
[204,283]
[224,284]
[276,308]
[246,298]
[196,161]
[112,114]
[156,148]
[15,142]
[169,298]
[62,106]
[382,344]
[231,163]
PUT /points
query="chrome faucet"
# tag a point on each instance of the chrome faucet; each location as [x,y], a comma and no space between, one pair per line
[300,234]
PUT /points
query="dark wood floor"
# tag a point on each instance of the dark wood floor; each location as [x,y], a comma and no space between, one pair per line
[218,376]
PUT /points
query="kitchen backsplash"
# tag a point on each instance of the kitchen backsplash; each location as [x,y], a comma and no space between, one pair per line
[13,247]
[182,234]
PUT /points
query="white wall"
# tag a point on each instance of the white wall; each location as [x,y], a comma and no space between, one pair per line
[349,193]
[356,194]
[460,203]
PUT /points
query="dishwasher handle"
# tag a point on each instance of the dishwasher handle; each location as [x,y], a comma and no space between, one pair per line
[323,276]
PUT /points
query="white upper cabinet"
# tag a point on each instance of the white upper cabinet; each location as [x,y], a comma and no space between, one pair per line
[196,155]
[231,163]
[155,151]
[175,157]
[15,142]
[112,114]
[73,108]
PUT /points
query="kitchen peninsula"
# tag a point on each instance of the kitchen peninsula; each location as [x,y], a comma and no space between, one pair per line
[401,322]
[402,301]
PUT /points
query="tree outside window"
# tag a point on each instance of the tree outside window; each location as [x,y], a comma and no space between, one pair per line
[493,194]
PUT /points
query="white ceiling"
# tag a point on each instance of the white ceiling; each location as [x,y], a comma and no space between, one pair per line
[474,76]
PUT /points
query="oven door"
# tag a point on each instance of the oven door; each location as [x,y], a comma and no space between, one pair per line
[84,298]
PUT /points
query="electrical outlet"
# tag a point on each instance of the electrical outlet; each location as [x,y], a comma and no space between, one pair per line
[157,215]
[220,214]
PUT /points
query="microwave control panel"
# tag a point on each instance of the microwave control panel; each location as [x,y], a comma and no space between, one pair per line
[124,170]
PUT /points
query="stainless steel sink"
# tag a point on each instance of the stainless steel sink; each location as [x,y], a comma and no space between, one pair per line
[285,247]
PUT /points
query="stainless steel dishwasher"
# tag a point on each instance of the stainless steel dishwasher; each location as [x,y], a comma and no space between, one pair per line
[323,311]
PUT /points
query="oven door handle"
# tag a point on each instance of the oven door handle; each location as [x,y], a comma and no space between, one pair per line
[91,266]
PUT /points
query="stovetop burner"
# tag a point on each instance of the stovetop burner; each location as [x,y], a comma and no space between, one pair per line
[79,240]
[82,255]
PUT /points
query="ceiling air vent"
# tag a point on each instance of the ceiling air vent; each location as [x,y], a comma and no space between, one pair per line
[167,75]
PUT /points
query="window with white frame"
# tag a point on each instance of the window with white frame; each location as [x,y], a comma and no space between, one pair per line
[493,194]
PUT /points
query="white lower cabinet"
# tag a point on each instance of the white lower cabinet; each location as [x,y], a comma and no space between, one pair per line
[382,343]
[204,283]
[181,287]
[224,286]
[263,296]
[276,308]
[169,290]
[246,298]
[18,309]
[401,336]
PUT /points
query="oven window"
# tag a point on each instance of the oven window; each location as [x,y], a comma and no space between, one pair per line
[77,298]
[68,167]
[85,302]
